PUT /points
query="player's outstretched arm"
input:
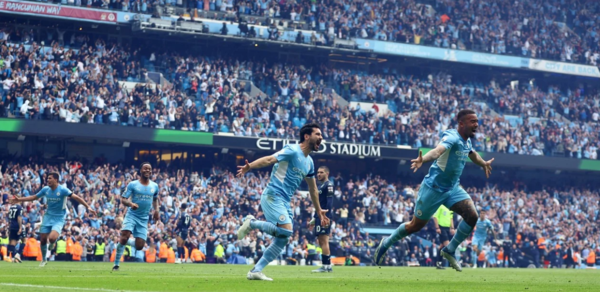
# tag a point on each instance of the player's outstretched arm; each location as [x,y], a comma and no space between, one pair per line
[256,164]
[16,199]
[314,197]
[84,203]
[487,165]
[432,155]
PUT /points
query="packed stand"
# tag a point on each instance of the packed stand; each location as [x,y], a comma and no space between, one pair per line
[217,202]
[525,28]
[212,95]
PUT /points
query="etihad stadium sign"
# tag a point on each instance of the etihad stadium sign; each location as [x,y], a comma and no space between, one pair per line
[326,147]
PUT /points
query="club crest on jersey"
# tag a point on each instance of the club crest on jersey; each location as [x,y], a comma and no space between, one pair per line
[282,218]
[419,213]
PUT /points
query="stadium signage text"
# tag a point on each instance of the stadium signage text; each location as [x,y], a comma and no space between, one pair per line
[58,11]
[326,147]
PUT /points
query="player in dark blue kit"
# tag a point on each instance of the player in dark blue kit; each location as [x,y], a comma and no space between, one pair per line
[182,229]
[323,231]
[15,231]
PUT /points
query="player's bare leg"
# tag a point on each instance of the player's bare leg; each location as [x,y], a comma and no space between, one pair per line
[404,230]
[125,240]
[324,244]
[466,209]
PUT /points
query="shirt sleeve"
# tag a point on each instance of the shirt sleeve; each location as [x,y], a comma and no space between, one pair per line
[128,191]
[42,193]
[311,171]
[448,140]
[285,154]
[66,192]
[155,195]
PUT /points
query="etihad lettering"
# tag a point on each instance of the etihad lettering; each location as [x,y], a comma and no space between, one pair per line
[330,148]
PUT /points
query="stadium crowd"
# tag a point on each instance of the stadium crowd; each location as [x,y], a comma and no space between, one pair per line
[558,30]
[546,227]
[210,94]
[537,29]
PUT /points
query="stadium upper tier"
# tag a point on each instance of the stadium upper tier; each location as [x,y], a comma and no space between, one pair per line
[559,30]
[210,94]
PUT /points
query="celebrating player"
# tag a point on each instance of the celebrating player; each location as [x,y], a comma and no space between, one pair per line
[483,225]
[292,164]
[54,219]
[181,229]
[441,186]
[323,231]
[139,197]
[15,231]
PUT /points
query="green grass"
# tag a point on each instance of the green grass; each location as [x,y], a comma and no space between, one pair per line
[189,277]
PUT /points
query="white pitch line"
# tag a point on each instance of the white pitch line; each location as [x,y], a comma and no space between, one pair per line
[66,288]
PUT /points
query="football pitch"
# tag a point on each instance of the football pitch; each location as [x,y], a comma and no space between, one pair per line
[190,277]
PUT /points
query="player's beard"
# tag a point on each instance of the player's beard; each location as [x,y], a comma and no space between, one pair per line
[314,146]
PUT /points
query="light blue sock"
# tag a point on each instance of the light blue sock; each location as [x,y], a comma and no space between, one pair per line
[131,242]
[120,249]
[266,227]
[398,234]
[271,253]
[44,248]
[463,231]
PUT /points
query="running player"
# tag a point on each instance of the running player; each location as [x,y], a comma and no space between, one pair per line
[322,232]
[181,229]
[15,231]
[292,164]
[441,186]
[54,219]
[140,196]
[481,230]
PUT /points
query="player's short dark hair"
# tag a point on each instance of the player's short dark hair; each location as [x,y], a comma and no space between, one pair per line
[54,175]
[324,168]
[463,113]
[308,129]
[144,163]
[183,206]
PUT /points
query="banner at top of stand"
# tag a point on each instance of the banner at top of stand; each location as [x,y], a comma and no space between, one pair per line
[58,11]
[443,54]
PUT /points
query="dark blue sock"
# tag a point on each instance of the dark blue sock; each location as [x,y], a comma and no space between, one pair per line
[326,259]
[181,252]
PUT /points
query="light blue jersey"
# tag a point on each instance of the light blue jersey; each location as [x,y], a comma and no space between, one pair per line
[289,171]
[142,195]
[482,228]
[56,200]
[444,173]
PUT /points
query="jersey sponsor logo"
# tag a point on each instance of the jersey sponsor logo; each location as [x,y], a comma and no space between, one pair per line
[299,172]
